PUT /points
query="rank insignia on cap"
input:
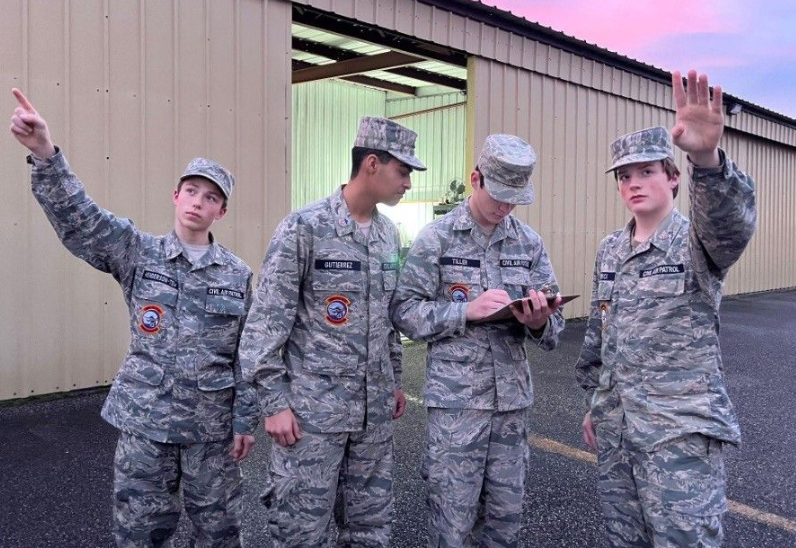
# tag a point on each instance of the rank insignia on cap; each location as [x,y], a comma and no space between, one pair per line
[151,316]
[337,309]
[459,293]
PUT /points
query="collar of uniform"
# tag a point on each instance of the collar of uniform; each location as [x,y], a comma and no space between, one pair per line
[377,231]
[667,230]
[343,222]
[465,221]
[173,248]
[464,217]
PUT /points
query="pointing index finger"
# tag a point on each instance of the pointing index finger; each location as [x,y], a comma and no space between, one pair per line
[23,101]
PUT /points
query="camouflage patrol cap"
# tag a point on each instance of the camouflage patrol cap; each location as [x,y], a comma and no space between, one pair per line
[383,134]
[646,145]
[506,162]
[212,171]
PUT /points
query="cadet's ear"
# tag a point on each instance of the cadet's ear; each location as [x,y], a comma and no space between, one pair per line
[174,196]
[475,179]
[221,213]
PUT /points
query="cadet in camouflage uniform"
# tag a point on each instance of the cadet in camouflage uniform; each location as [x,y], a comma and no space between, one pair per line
[462,268]
[325,358]
[178,397]
[650,365]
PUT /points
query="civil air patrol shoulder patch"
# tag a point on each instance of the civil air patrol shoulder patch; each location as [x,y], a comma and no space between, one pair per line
[151,317]
[337,309]
[459,293]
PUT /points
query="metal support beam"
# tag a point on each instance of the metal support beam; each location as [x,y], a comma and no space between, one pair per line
[365,63]
[339,54]
[312,17]
[363,80]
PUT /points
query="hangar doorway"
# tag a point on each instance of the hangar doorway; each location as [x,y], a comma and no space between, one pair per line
[343,70]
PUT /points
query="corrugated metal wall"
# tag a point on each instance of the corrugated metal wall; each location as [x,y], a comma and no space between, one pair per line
[325,119]
[439,26]
[571,127]
[441,140]
[131,90]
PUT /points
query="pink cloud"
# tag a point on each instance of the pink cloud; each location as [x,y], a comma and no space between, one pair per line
[622,26]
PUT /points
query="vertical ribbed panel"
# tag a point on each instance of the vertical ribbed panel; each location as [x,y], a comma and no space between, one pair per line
[440,142]
[571,127]
[325,119]
[442,27]
[131,91]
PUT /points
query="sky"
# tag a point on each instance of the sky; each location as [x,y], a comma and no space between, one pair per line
[747,47]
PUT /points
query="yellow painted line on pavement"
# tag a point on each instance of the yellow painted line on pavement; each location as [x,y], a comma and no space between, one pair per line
[738,508]
[551,446]
[763,517]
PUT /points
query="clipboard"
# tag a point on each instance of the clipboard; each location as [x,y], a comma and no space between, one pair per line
[505,313]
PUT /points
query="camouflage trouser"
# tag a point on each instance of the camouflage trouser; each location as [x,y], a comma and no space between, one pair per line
[147,478]
[475,469]
[672,497]
[303,491]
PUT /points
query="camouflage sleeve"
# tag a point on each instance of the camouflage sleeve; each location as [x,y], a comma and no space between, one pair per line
[543,275]
[396,353]
[246,411]
[396,348]
[89,232]
[414,307]
[272,315]
[722,213]
[587,368]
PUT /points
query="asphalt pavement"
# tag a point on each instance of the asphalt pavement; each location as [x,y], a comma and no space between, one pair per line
[56,456]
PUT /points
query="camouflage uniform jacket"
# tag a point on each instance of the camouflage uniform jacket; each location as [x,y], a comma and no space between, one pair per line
[180,382]
[319,338]
[650,363]
[473,365]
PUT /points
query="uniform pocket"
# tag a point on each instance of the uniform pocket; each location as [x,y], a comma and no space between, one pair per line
[516,281]
[661,287]
[214,374]
[460,284]
[390,279]
[345,281]
[335,365]
[155,297]
[142,371]
[222,319]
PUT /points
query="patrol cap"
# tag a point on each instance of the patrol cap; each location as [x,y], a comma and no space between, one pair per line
[383,134]
[646,145]
[506,162]
[212,171]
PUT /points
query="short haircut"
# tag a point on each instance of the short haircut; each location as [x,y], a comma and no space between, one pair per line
[480,176]
[223,197]
[671,172]
[360,153]
[669,167]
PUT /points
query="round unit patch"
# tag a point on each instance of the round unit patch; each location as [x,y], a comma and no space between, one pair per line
[459,293]
[337,309]
[151,315]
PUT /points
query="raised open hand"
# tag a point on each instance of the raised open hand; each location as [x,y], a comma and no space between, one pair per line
[30,129]
[699,119]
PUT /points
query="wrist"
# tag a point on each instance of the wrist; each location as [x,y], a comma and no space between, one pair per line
[44,152]
[705,159]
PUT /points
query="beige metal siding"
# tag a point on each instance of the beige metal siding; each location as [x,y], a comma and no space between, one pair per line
[571,126]
[442,27]
[325,119]
[131,91]
[440,123]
